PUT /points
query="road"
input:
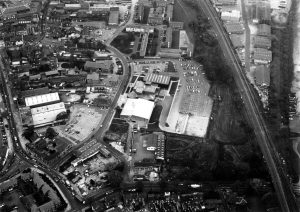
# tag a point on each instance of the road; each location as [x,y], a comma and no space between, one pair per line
[22,154]
[98,134]
[279,177]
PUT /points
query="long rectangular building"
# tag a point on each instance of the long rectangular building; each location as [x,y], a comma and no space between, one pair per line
[157,78]
[46,114]
[41,99]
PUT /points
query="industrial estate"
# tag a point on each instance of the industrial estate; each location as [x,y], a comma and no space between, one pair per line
[145,105]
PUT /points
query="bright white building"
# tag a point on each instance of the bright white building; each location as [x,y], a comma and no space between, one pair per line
[41,99]
[138,110]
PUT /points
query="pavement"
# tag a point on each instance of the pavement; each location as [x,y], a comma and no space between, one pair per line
[253,111]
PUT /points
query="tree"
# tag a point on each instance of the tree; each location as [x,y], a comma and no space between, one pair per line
[28,133]
[62,115]
[115,178]
[50,133]
[139,186]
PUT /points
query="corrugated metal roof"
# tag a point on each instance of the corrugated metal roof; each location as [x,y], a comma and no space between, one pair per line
[41,99]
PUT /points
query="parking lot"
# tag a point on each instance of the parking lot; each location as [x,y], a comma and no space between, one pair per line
[83,121]
[191,107]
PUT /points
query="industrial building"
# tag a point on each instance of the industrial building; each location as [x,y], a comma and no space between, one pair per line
[47,114]
[139,13]
[263,30]
[218,3]
[262,76]
[157,79]
[113,16]
[233,16]
[34,101]
[176,25]
[138,110]
[262,56]
[262,42]
[169,53]
[234,28]
[237,40]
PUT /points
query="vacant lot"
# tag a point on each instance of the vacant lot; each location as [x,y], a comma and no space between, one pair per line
[83,121]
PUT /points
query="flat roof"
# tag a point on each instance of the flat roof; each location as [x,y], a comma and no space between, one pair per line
[262,75]
[184,41]
[34,92]
[261,41]
[103,64]
[237,40]
[262,54]
[46,114]
[263,30]
[234,27]
[113,17]
[41,99]
[138,107]
[157,78]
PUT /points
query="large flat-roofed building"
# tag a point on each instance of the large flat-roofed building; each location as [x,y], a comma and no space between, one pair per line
[138,110]
[224,2]
[233,16]
[176,25]
[156,16]
[169,12]
[157,79]
[87,151]
[185,44]
[263,30]
[262,75]
[44,115]
[234,28]
[237,40]
[139,13]
[43,99]
[113,16]
[103,65]
[144,44]
[262,56]
[169,53]
[72,6]
[99,7]
[262,42]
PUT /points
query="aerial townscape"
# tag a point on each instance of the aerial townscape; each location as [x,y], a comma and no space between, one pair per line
[150,105]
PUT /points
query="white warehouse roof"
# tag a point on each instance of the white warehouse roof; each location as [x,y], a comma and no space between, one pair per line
[45,114]
[138,107]
[41,99]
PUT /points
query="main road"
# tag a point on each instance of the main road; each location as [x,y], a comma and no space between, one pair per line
[253,110]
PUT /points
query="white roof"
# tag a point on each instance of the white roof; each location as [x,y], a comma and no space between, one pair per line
[41,99]
[138,107]
[46,114]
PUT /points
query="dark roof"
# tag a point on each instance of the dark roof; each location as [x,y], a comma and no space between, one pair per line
[262,75]
[35,92]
